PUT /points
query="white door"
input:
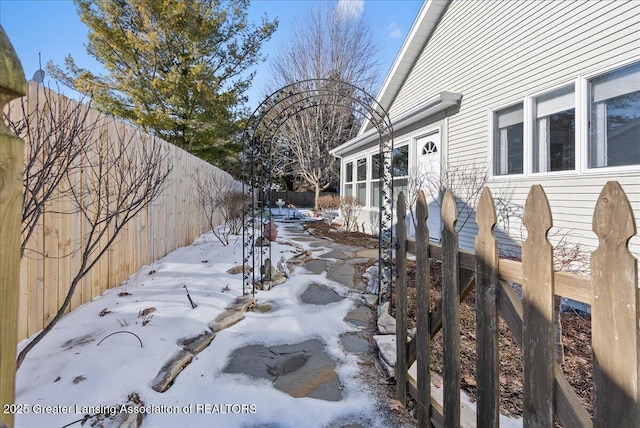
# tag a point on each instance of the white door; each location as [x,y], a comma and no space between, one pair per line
[429,165]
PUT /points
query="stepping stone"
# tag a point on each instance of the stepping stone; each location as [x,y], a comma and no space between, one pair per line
[344,248]
[225,319]
[300,370]
[358,260]
[304,239]
[241,303]
[360,316]
[239,269]
[367,254]
[355,343]
[316,294]
[319,244]
[342,273]
[265,307]
[339,255]
[316,266]
[197,343]
[170,370]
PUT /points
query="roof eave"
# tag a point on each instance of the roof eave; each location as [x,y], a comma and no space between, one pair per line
[433,105]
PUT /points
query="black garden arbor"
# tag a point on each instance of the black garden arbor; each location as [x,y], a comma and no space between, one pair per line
[333,106]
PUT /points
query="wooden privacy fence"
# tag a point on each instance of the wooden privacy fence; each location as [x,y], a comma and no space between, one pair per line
[298,199]
[611,290]
[174,219]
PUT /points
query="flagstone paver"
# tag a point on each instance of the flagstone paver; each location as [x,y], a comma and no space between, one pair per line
[303,369]
[319,294]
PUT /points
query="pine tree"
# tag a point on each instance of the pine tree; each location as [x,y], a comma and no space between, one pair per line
[177,68]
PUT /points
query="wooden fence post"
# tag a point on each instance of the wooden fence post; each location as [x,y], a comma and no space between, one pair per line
[12,85]
[487,369]
[401,367]
[423,329]
[614,323]
[537,305]
[451,311]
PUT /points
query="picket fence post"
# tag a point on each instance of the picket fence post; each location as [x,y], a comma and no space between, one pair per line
[423,329]
[487,369]
[451,311]
[537,305]
[614,322]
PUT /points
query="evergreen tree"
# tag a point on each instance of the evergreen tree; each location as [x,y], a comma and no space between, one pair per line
[177,68]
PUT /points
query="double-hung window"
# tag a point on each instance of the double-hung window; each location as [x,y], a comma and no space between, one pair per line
[400,167]
[614,118]
[508,140]
[361,180]
[554,142]
[591,123]
[376,177]
[348,179]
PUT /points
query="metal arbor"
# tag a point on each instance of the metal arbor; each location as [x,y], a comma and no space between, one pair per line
[263,130]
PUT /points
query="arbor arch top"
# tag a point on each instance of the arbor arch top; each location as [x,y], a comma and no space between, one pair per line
[265,127]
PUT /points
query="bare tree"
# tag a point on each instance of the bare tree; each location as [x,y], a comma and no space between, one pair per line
[119,180]
[55,129]
[221,198]
[325,44]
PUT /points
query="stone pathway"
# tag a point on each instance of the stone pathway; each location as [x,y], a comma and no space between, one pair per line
[302,369]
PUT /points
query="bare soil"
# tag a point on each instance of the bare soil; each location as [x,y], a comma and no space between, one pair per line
[576,335]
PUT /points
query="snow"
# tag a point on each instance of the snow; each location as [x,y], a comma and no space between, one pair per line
[69,371]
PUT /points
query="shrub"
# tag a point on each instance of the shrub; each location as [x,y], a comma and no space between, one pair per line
[329,205]
[350,207]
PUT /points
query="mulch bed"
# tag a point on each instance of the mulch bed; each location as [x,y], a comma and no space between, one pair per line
[576,336]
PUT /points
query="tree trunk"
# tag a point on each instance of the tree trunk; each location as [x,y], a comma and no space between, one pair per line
[315,201]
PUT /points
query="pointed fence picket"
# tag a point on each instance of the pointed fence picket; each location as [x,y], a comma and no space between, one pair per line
[612,290]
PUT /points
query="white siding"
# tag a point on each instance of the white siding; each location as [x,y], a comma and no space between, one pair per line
[498,52]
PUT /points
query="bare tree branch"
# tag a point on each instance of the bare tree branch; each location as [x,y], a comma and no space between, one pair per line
[324,45]
[120,179]
[56,130]
[220,196]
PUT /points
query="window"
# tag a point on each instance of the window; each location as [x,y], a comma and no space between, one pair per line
[400,161]
[361,180]
[508,140]
[348,179]
[400,165]
[376,175]
[614,118]
[429,148]
[555,131]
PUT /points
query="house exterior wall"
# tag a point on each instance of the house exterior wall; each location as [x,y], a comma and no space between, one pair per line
[502,52]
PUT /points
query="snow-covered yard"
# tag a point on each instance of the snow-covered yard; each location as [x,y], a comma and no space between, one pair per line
[79,369]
